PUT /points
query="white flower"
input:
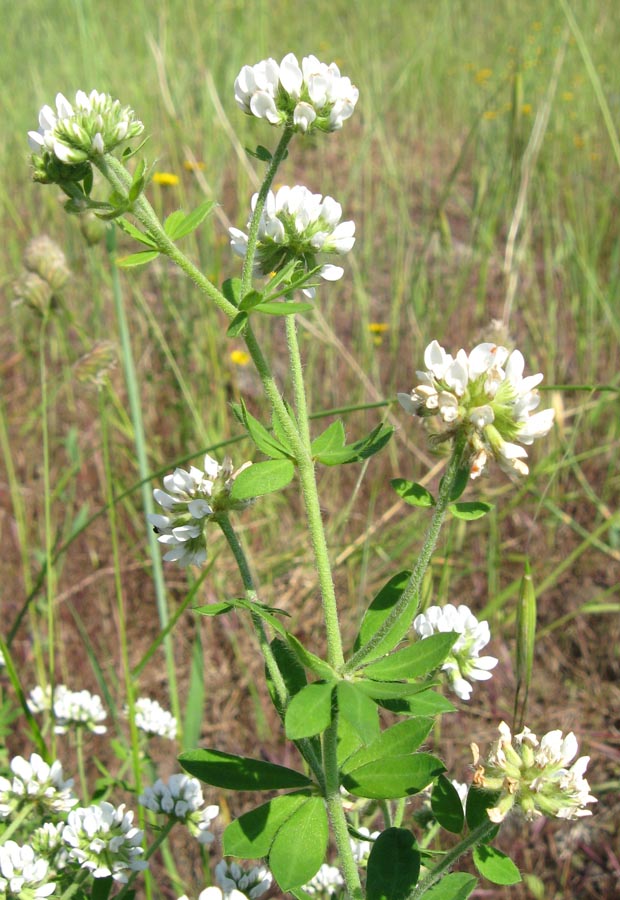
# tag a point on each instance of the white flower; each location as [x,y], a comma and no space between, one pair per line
[182,798]
[464,660]
[297,224]
[462,790]
[75,133]
[361,848]
[36,783]
[534,776]
[216,893]
[190,499]
[153,719]
[326,881]
[484,394]
[101,838]
[78,709]
[252,883]
[46,841]
[23,874]
[313,96]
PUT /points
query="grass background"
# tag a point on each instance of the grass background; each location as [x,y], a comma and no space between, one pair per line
[482,170]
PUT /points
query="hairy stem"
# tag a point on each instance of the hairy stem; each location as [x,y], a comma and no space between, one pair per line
[336,812]
[477,836]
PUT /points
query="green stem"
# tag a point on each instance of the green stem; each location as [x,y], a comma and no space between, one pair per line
[21,816]
[161,837]
[409,599]
[251,594]
[477,836]
[79,879]
[79,752]
[336,812]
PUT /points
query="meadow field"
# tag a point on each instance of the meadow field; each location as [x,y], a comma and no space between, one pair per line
[482,170]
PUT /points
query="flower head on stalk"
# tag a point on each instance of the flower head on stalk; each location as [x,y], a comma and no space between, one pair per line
[297,225]
[23,874]
[252,883]
[485,395]
[181,798]
[533,775]
[153,719]
[70,709]
[101,838]
[35,783]
[190,499]
[327,882]
[307,97]
[73,134]
[464,660]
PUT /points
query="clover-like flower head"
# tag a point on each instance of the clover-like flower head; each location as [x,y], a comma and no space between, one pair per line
[23,874]
[103,839]
[189,500]
[153,719]
[181,798]
[534,776]
[298,225]
[252,883]
[486,395]
[307,97]
[35,783]
[70,709]
[73,134]
[327,882]
[464,660]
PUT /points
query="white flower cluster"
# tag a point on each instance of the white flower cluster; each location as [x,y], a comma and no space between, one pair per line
[326,882]
[307,97]
[464,660]
[77,709]
[34,782]
[534,776]
[102,838]
[181,798]
[297,224]
[252,883]
[46,841]
[189,500]
[153,719]
[216,893]
[486,394]
[23,874]
[74,133]
[361,848]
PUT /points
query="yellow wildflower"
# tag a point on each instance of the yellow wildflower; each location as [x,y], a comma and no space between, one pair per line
[239,357]
[483,75]
[166,179]
[193,166]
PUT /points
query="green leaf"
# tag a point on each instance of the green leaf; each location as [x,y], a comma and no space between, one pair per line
[455,886]
[299,847]
[378,611]
[172,222]
[136,259]
[267,613]
[393,865]
[417,659]
[239,773]
[250,300]
[214,609]
[412,493]
[495,866]
[263,478]
[101,888]
[130,229]
[362,449]
[194,705]
[349,741]
[404,737]
[231,289]
[478,801]
[460,482]
[359,711]
[393,776]
[279,433]
[310,711]
[424,703]
[447,806]
[475,509]
[333,438]
[261,153]
[261,437]
[292,672]
[185,224]
[390,690]
[238,325]
[282,308]
[310,661]
[251,835]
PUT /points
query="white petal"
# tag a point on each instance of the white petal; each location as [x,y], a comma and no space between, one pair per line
[331,273]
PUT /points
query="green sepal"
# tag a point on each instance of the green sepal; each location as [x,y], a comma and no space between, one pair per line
[471,510]
[359,710]
[378,611]
[300,845]
[393,776]
[360,450]
[393,865]
[252,834]
[240,773]
[333,438]
[136,259]
[495,866]
[447,806]
[130,229]
[310,661]
[404,737]
[262,478]
[309,711]
[416,660]
[238,325]
[412,493]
